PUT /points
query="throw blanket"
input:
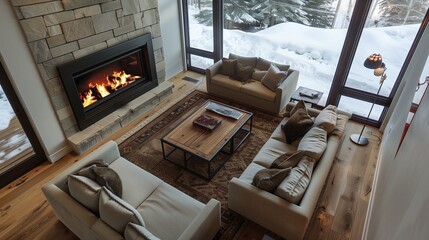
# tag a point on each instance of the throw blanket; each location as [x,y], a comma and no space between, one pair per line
[100,172]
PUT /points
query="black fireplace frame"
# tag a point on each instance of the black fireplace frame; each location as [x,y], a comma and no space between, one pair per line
[70,70]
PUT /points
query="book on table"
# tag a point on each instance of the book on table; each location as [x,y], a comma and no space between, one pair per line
[224,111]
[309,93]
[207,122]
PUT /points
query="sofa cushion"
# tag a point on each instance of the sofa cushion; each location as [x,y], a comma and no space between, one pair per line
[293,187]
[256,89]
[327,118]
[138,232]
[287,160]
[340,125]
[271,150]
[273,78]
[162,209]
[297,125]
[263,64]
[226,82]
[314,143]
[116,213]
[229,66]
[85,191]
[133,177]
[243,73]
[258,75]
[246,61]
[269,179]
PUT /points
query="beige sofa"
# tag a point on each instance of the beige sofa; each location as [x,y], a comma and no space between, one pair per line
[282,217]
[167,212]
[253,92]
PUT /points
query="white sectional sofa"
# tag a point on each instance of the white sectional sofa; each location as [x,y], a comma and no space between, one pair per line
[287,219]
[167,213]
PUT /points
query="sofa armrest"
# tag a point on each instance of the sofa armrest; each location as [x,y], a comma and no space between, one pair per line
[276,214]
[286,89]
[75,216]
[206,223]
[211,71]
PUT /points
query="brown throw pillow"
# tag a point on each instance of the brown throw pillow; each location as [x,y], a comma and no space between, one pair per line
[287,160]
[243,73]
[269,179]
[228,66]
[297,125]
[298,105]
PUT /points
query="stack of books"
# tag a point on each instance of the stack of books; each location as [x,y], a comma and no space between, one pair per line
[207,122]
[308,93]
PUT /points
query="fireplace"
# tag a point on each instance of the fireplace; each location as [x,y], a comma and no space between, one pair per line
[100,83]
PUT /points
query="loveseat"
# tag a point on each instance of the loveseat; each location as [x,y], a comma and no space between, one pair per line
[252,91]
[163,211]
[270,210]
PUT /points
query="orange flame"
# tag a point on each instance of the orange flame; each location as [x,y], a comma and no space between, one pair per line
[113,83]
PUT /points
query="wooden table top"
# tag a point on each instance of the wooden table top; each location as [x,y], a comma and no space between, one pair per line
[201,142]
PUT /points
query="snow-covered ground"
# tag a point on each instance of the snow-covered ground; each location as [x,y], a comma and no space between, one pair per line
[314,52]
[6,111]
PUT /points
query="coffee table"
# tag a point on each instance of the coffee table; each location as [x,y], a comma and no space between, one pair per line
[201,151]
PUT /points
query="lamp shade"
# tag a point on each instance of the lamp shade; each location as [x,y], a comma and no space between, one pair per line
[374,61]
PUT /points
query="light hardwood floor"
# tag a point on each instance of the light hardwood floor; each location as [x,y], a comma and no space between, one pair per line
[25,213]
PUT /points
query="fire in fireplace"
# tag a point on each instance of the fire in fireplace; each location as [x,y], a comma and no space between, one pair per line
[100,83]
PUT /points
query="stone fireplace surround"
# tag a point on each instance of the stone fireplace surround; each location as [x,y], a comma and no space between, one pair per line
[62,31]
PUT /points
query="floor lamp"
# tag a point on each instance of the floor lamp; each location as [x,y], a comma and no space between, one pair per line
[374,61]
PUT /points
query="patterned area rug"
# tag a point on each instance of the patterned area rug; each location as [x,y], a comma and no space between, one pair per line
[143,148]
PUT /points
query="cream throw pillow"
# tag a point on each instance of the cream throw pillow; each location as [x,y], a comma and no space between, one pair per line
[340,126]
[138,232]
[293,187]
[85,191]
[314,143]
[327,118]
[273,78]
[116,213]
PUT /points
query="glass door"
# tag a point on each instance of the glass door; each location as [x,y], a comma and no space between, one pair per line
[199,34]
[390,30]
[20,150]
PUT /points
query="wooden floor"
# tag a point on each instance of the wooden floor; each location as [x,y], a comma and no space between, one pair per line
[25,213]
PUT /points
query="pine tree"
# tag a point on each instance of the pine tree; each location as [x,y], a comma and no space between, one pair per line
[401,12]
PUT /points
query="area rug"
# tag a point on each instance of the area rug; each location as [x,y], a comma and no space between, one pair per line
[143,148]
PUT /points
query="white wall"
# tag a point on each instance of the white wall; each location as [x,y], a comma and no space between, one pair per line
[399,206]
[171,36]
[28,84]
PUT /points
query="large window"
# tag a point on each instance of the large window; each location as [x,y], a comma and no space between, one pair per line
[327,41]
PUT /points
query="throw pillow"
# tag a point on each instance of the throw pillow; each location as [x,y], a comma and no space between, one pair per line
[297,125]
[269,179]
[273,78]
[298,105]
[243,73]
[116,213]
[263,64]
[314,143]
[293,187]
[283,67]
[228,67]
[245,61]
[327,118]
[100,172]
[85,191]
[340,126]
[287,160]
[258,75]
[138,232]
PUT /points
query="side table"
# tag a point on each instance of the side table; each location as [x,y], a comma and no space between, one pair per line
[300,94]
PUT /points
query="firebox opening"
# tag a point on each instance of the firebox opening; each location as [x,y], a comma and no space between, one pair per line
[109,79]
[123,72]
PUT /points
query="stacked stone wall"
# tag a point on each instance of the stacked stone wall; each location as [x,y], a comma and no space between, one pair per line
[62,31]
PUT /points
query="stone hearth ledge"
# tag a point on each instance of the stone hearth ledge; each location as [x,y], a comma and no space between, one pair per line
[84,140]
